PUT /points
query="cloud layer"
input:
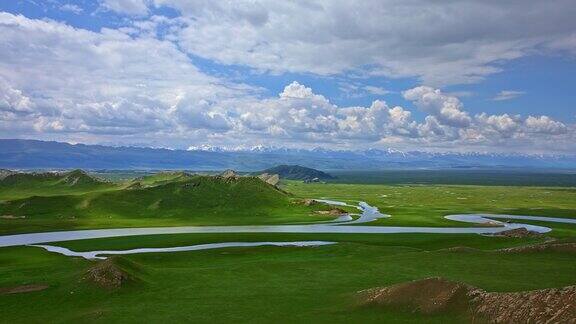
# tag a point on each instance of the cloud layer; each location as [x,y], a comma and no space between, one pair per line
[439,42]
[131,86]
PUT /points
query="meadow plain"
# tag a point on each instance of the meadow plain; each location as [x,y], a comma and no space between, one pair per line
[270,284]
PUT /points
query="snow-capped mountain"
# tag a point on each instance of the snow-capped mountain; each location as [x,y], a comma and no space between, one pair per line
[39,154]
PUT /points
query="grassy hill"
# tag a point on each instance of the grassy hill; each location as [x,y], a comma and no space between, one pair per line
[297,172]
[162,177]
[164,199]
[20,185]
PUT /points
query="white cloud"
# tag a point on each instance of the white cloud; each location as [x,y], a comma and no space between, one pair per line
[431,128]
[13,100]
[129,7]
[545,125]
[101,81]
[507,95]
[445,42]
[71,8]
[447,109]
[300,115]
[502,125]
[296,90]
[45,125]
[202,113]
[376,90]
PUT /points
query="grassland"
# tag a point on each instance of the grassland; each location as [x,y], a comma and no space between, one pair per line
[273,284]
[266,284]
[426,205]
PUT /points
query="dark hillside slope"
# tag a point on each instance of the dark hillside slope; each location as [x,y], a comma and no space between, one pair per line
[297,172]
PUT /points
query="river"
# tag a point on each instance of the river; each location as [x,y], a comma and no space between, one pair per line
[341,225]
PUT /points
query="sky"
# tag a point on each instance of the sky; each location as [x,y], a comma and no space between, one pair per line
[482,76]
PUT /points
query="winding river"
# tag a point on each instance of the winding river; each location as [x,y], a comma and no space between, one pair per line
[491,224]
[101,254]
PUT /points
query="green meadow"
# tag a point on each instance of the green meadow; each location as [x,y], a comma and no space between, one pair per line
[267,284]
[426,205]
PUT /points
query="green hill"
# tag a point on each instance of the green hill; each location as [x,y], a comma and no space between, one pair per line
[19,185]
[297,172]
[158,179]
[161,200]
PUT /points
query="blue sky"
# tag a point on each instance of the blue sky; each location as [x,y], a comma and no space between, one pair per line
[463,76]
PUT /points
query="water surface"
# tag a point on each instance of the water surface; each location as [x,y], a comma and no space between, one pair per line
[102,254]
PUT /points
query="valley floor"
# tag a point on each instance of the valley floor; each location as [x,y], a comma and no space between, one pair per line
[298,284]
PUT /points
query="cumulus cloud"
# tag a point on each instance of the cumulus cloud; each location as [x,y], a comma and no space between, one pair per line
[507,95]
[446,109]
[296,90]
[504,125]
[13,100]
[298,114]
[545,125]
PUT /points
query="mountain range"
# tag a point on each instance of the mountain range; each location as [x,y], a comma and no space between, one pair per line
[33,154]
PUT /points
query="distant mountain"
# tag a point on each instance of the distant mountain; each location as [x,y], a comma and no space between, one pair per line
[30,154]
[4,173]
[297,172]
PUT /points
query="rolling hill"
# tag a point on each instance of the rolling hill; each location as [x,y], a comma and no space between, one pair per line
[174,198]
[20,184]
[160,178]
[297,172]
